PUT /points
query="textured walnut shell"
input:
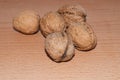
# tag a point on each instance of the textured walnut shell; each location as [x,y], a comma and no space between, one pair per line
[26,22]
[82,35]
[59,47]
[73,13]
[51,22]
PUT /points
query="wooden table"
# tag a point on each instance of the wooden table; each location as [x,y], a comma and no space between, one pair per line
[22,57]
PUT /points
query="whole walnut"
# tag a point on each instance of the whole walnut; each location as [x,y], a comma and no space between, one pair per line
[51,22]
[59,47]
[26,22]
[73,13]
[82,35]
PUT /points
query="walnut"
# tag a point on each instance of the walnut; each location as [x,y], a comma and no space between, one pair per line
[82,35]
[26,22]
[59,47]
[73,13]
[51,22]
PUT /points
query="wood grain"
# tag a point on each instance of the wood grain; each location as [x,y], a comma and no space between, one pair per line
[22,57]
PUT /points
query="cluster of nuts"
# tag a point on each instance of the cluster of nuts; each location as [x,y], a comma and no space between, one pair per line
[64,30]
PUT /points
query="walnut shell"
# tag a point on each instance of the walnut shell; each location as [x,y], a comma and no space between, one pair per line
[51,22]
[26,22]
[73,13]
[82,35]
[59,47]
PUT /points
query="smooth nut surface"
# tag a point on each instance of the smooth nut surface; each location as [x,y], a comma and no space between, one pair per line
[27,22]
[73,13]
[59,47]
[51,22]
[82,35]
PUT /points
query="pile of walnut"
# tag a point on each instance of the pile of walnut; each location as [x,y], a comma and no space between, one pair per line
[64,30]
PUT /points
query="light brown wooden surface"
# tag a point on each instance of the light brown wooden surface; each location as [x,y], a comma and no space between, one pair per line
[22,57]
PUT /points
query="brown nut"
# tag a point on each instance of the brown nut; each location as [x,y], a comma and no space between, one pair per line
[26,22]
[59,47]
[82,35]
[51,22]
[73,13]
